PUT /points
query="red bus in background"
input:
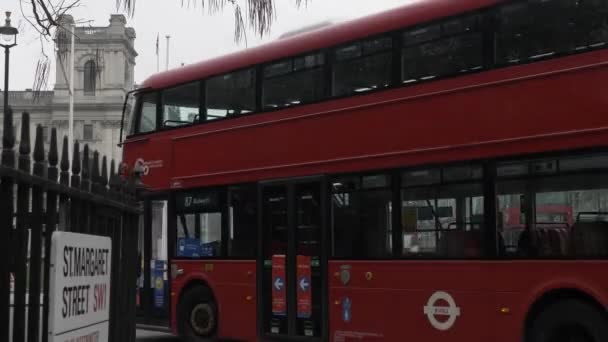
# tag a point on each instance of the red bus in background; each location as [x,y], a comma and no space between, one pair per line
[361,182]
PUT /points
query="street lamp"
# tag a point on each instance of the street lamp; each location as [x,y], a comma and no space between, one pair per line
[8,39]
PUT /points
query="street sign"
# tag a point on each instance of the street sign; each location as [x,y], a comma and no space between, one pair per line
[80,287]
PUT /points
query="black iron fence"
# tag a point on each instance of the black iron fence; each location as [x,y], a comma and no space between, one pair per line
[34,202]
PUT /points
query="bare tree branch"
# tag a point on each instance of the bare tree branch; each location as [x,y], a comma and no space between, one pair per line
[50,17]
[45,18]
[260,13]
[37,16]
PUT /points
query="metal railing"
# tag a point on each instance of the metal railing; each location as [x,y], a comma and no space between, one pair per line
[36,201]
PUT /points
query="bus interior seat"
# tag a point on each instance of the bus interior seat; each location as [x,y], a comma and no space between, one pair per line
[527,243]
[554,241]
[459,243]
[564,237]
[590,239]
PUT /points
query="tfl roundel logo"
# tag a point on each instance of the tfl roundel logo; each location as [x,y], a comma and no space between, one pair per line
[441,310]
[140,164]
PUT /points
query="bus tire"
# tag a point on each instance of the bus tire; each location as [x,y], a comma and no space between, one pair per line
[197,315]
[569,321]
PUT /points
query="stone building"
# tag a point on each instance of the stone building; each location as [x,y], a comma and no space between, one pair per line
[104,72]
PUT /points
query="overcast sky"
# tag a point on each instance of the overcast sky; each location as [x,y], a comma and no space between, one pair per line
[195,35]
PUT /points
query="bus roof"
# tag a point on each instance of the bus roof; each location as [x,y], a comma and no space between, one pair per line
[419,11]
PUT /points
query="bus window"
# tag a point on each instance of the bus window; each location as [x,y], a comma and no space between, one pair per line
[362,66]
[445,49]
[199,235]
[511,217]
[294,81]
[361,217]
[535,29]
[243,227]
[147,115]
[199,224]
[231,94]
[592,19]
[130,123]
[440,218]
[563,213]
[181,105]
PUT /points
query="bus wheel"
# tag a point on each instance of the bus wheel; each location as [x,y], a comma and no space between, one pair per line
[197,315]
[570,321]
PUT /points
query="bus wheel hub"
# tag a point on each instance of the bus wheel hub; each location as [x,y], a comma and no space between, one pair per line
[201,319]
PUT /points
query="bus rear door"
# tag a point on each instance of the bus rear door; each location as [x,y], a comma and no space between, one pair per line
[292,268]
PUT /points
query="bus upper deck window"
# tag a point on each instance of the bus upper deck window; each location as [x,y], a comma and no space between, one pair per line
[181,105]
[147,114]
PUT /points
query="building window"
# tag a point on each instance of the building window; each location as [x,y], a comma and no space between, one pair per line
[87,132]
[90,74]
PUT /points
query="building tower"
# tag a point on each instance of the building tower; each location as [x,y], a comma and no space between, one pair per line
[104,62]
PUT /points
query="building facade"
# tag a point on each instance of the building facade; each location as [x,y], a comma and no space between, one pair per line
[104,63]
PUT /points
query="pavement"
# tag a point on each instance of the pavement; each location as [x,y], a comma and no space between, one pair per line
[152,336]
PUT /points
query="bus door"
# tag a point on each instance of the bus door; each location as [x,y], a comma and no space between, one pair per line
[292,265]
[152,297]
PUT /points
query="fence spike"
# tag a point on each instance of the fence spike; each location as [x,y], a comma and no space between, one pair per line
[64,178]
[76,167]
[95,167]
[95,171]
[86,167]
[53,153]
[24,144]
[8,140]
[39,152]
[53,157]
[104,172]
[112,169]
[114,180]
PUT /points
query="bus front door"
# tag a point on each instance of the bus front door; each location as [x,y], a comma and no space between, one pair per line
[152,296]
[292,272]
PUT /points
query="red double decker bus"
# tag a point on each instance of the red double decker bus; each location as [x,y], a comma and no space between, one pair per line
[436,172]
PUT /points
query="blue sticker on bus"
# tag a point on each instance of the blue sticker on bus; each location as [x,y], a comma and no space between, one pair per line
[346,309]
[194,248]
[159,283]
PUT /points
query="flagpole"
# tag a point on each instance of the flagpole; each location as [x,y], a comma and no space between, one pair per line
[157,54]
[71,103]
[167,62]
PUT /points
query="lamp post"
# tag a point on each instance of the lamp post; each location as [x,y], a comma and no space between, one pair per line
[8,39]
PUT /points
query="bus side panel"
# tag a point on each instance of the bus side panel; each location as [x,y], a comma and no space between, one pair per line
[392,128]
[233,286]
[389,301]
[448,300]
[153,155]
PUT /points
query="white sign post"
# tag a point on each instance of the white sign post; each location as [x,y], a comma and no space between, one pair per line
[80,288]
